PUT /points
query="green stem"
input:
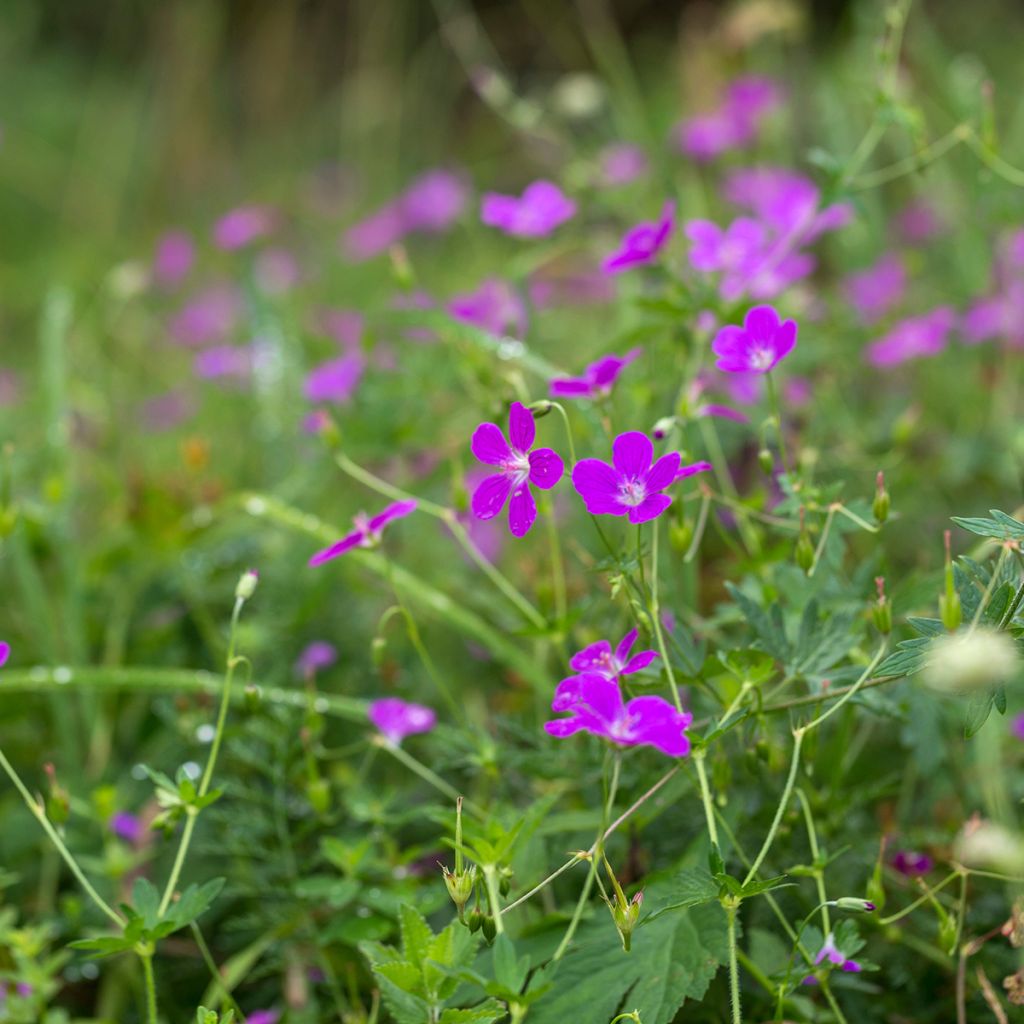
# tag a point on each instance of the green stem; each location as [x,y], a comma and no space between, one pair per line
[224,994]
[705,795]
[734,969]
[822,540]
[819,874]
[773,404]
[698,530]
[725,482]
[491,881]
[849,692]
[39,813]
[854,518]
[427,775]
[150,985]
[656,617]
[568,431]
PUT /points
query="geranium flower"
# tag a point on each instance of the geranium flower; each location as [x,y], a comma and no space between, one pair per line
[756,347]
[175,254]
[597,380]
[242,226]
[1016,723]
[734,124]
[434,201]
[583,288]
[642,243]
[630,486]
[336,380]
[126,826]
[208,317]
[263,1017]
[911,863]
[542,207]
[518,468]
[595,705]
[494,306]
[396,718]
[621,163]
[367,532]
[873,292]
[5,652]
[734,249]
[315,656]
[829,951]
[913,338]
[599,658]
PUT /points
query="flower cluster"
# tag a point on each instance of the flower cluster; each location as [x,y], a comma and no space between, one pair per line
[734,124]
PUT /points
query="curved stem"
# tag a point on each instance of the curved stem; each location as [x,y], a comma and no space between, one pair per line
[427,775]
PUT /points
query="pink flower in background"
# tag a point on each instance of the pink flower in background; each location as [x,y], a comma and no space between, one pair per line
[734,124]
[434,201]
[541,208]
[518,467]
[315,656]
[126,826]
[787,202]
[243,226]
[10,387]
[796,391]
[600,658]
[584,288]
[734,249]
[336,380]
[594,703]
[999,316]
[175,254]
[494,306]
[227,362]
[375,234]
[5,652]
[207,317]
[756,347]
[630,486]
[367,532]
[486,534]
[641,244]
[914,338]
[911,863]
[873,292]
[621,163]
[345,326]
[919,222]
[263,1017]
[277,270]
[396,719]
[1016,723]
[597,380]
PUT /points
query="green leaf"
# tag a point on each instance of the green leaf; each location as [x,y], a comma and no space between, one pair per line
[755,888]
[146,902]
[909,657]
[509,971]
[483,1013]
[403,975]
[767,627]
[416,934]
[690,887]
[999,527]
[978,709]
[106,945]
[194,901]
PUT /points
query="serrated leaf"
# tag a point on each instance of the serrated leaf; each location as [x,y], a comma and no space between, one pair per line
[194,901]
[690,887]
[146,902]
[926,627]
[999,527]
[756,888]
[909,657]
[416,934]
[767,626]
[404,975]
[483,1013]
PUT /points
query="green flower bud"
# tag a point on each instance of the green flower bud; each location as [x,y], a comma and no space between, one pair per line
[881,610]
[505,880]
[766,461]
[460,887]
[880,506]
[626,915]
[247,585]
[318,793]
[475,920]
[488,928]
[853,903]
[803,553]
[253,697]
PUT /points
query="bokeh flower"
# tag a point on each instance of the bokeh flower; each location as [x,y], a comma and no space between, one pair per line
[396,718]
[756,347]
[641,244]
[367,532]
[911,863]
[173,259]
[542,207]
[5,652]
[126,826]
[336,380]
[873,292]
[597,379]
[495,306]
[315,656]
[242,226]
[913,338]
[620,164]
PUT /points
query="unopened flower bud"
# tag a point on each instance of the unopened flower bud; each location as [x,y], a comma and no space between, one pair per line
[460,887]
[803,554]
[853,903]
[505,880]
[663,427]
[881,610]
[253,697]
[880,506]
[540,408]
[475,920]
[950,610]
[247,585]
[626,915]
[378,650]
[766,461]
[488,928]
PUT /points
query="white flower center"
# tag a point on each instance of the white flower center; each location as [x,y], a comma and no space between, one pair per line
[517,467]
[632,492]
[761,358]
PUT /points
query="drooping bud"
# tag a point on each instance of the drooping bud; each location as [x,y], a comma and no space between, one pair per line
[803,553]
[853,903]
[880,506]
[766,461]
[488,928]
[950,610]
[881,610]
[247,585]
[663,427]
[540,408]
[876,887]
[475,919]
[504,880]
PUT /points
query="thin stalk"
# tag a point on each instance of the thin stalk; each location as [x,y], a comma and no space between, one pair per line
[983,603]
[734,969]
[926,898]
[705,796]
[822,540]
[819,875]
[773,404]
[427,775]
[656,616]
[854,518]
[698,530]
[725,483]
[150,986]
[493,898]
[849,691]
[225,996]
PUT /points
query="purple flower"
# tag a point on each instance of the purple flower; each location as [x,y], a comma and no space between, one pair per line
[518,468]
[599,658]
[913,338]
[336,380]
[580,289]
[630,485]
[375,233]
[756,347]
[541,208]
[242,226]
[314,657]
[175,254]
[998,316]
[208,317]
[829,951]
[911,863]
[873,292]
[263,1017]
[397,718]
[598,378]
[622,163]
[732,125]
[5,652]
[595,705]
[642,243]
[126,826]
[434,201]
[1016,723]
[918,222]
[227,362]
[494,307]
[734,249]
[367,532]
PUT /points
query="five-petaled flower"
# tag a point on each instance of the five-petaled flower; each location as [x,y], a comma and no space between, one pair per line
[595,705]
[642,243]
[601,659]
[396,718]
[518,467]
[630,486]
[367,532]
[597,379]
[831,952]
[540,209]
[756,347]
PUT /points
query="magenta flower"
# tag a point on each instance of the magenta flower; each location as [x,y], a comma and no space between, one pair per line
[5,652]
[208,317]
[913,338]
[641,244]
[698,467]
[175,254]
[396,718]
[494,307]
[518,468]
[434,201]
[376,233]
[829,951]
[999,316]
[630,486]
[787,202]
[756,347]
[242,227]
[595,705]
[918,223]
[336,380]
[315,656]
[599,658]
[734,249]
[263,1017]
[911,863]
[345,326]
[126,826]
[734,124]
[873,292]
[621,163]
[598,378]
[542,207]
[1016,723]
[367,532]
[228,362]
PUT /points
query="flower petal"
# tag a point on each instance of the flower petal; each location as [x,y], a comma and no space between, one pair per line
[570,387]
[521,428]
[663,472]
[489,445]
[658,724]
[692,469]
[650,508]
[562,727]
[632,453]
[626,645]
[638,662]
[522,510]
[490,497]
[396,510]
[346,543]
[785,340]
[594,658]
[761,323]
[546,468]
[598,485]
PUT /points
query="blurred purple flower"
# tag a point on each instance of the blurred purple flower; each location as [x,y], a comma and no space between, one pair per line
[621,163]
[376,233]
[367,532]
[518,467]
[641,244]
[756,347]
[242,226]
[227,362]
[10,387]
[345,326]
[919,222]
[600,658]
[263,1017]
[630,486]
[494,307]
[597,380]
[434,201]
[1016,723]
[207,317]
[796,391]
[166,411]
[913,338]
[595,705]
[315,656]
[734,249]
[173,259]
[277,270]
[396,718]
[829,951]
[999,316]
[873,292]
[786,201]
[336,380]
[911,863]
[126,826]
[5,652]
[542,207]
[734,124]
